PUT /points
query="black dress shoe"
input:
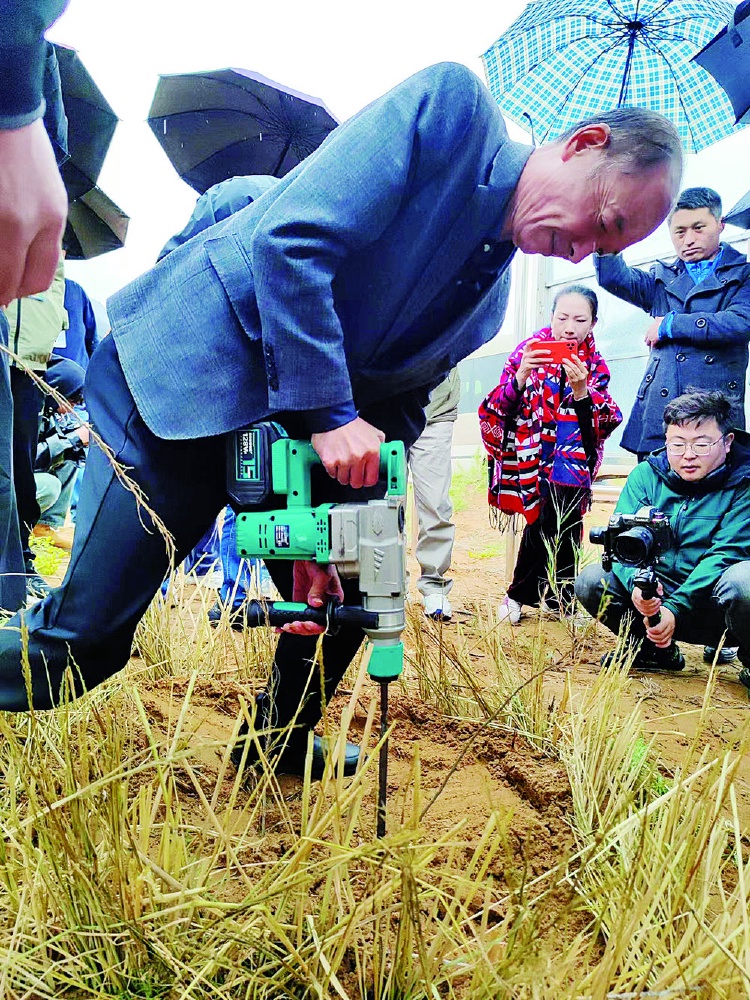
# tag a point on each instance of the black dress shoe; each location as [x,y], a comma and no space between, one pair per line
[293,761]
[744,678]
[216,612]
[727,654]
[37,588]
[288,755]
[651,658]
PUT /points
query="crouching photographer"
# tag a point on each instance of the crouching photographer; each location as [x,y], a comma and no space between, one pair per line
[697,541]
[62,447]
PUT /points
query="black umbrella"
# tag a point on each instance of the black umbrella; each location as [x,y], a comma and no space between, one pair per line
[232,122]
[739,214]
[95,226]
[91,123]
[727,59]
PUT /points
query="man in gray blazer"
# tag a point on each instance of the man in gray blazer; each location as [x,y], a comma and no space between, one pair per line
[334,302]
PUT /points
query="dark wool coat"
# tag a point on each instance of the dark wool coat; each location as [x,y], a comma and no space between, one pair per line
[708,345]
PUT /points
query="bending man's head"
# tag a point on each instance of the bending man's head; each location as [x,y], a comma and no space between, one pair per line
[605,184]
[697,426]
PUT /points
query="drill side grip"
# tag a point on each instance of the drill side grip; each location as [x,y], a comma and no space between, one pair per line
[278,613]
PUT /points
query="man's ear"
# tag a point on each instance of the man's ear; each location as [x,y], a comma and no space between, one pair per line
[728,438]
[594,136]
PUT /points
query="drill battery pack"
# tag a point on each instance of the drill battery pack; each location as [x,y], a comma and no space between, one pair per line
[249,478]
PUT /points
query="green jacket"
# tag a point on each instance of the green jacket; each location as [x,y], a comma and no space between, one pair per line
[710,521]
[35,322]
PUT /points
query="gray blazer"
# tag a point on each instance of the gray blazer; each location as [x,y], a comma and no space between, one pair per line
[346,282]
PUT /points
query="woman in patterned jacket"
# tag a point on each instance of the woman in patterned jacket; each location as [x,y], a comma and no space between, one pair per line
[544,427]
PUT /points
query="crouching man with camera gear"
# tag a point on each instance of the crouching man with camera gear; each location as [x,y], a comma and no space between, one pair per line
[693,545]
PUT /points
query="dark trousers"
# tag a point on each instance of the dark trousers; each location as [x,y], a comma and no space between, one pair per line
[28,399]
[549,545]
[726,608]
[12,569]
[119,560]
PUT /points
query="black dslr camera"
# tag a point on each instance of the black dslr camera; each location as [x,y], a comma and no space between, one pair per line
[636,540]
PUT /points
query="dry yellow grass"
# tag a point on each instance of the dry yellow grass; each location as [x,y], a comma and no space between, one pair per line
[126,872]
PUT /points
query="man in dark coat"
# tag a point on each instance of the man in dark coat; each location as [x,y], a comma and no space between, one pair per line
[701,309]
[334,302]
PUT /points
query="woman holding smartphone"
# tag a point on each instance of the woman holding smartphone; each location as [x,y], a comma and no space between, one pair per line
[544,427]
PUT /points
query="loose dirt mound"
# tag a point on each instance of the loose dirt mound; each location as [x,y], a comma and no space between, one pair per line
[465,771]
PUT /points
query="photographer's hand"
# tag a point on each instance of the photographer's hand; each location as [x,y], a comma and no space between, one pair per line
[82,431]
[662,634]
[646,607]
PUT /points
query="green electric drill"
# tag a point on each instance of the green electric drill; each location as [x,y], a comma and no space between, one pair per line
[269,482]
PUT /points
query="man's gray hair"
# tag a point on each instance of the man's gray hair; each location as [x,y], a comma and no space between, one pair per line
[639,139]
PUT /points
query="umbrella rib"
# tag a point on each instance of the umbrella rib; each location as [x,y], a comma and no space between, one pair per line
[649,44]
[655,13]
[243,90]
[618,14]
[274,119]
[273,125]
[664,25]
[581,75]
[297,147]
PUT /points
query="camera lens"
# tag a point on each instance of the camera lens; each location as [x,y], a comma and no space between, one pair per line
[635,546]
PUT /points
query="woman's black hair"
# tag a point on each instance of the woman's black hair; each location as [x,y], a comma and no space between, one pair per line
[586,293]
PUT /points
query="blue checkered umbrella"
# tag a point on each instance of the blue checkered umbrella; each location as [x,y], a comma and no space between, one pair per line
[565,60]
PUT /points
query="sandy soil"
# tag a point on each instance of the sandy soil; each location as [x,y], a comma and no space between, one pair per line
[500,770]
[671,703]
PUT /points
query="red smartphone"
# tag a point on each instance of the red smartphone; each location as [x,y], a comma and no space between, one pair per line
[558,349]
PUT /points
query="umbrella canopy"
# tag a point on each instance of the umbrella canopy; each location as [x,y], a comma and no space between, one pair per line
[95,226]
[232,122]
[91,123]
[739,214]
[727,59]
[562,62]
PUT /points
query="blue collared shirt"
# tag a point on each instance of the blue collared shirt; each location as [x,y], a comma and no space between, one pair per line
[698,270]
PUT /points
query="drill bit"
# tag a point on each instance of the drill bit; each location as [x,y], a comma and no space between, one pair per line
[383,762]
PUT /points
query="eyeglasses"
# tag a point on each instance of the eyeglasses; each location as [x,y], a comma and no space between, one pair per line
[700,448]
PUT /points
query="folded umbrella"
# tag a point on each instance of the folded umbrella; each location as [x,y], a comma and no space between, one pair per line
[232,122]
[95,226]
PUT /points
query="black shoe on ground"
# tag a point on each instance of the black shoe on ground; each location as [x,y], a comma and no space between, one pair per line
[652,658]
[744,678]
[290,755]
[216,612]
[37,588]
[727,654]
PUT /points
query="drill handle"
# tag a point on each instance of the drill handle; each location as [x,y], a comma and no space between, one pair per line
[648,583]
[331,617]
